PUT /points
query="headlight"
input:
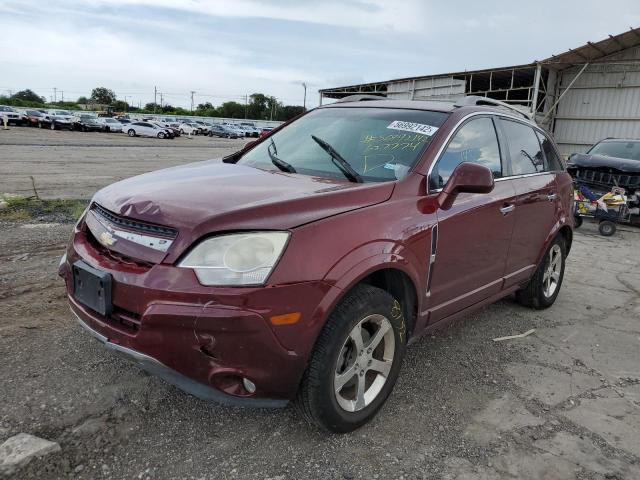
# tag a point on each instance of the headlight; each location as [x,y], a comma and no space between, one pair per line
[236,259]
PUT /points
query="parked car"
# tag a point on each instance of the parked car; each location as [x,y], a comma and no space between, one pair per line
[265,131]
[234,128]
[33,117]
[299,268]
[88,123]
[204,128]
[610,164]
[124,121]
[189,129]
[173,129]
[218,130]
[168,130]
[145,129]
[57,119]
[13,116]
[111,124]
[251,129]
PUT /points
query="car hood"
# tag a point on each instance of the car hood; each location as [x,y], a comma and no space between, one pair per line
[583,160]
[208,197]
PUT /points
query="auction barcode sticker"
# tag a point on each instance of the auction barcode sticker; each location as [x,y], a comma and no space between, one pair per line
[413,127]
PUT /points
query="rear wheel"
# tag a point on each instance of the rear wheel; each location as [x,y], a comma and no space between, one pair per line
[53,125]
[39,124]
[161,135]
[543,288]
[131,132]
[607,228]
[355,362]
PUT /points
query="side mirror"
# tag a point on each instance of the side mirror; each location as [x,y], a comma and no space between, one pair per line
[467,177]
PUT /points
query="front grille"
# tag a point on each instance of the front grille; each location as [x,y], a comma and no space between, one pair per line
[596,177]
[115,256]
[134,225]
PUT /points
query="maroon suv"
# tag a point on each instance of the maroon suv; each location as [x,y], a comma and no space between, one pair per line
[300,267]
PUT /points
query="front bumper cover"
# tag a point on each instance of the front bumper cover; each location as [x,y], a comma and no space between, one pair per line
[184,383]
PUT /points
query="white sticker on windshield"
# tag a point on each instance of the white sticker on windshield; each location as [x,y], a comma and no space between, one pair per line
[413,127]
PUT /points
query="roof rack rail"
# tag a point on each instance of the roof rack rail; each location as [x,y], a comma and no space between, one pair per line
[479,101]
[360,98]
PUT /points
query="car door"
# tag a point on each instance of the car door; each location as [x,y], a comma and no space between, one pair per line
[473,236]
[536,198]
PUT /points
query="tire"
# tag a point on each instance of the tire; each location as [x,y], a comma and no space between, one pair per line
[336,355]
[161,135]
[577,221]
[107,129]
[543,288]
[607,228]
[53,126]
[39,124]
[131,132]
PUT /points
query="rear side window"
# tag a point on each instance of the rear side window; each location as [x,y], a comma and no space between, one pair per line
[524,148]
[552,161]
[474,142]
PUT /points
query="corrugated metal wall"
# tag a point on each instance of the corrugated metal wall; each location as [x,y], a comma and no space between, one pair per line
[603,102]
[425,88]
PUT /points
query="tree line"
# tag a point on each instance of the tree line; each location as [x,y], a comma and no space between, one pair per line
[258,106]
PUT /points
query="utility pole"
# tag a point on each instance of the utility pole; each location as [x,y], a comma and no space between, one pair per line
[304,101]
[55,94]
[155,98]
[126,104]
[62,95]
[192,92]
[246,105]
[161,100]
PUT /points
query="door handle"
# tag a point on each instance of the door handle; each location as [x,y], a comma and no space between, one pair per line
[507,208]
[552,197]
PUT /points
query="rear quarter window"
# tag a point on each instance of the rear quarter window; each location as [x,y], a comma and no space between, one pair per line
[552,160]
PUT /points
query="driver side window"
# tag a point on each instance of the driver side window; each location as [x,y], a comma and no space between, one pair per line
[475,142]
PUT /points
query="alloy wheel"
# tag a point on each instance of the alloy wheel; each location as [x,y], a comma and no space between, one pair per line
[364,363]
[551,276]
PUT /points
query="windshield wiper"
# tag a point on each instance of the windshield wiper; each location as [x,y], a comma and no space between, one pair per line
[281,164]
[339,161]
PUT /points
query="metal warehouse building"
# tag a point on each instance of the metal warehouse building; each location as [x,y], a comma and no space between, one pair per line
[581,96]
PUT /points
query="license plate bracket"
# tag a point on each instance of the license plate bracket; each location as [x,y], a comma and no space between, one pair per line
[92,288]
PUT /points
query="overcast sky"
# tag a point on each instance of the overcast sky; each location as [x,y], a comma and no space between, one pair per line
[224,49]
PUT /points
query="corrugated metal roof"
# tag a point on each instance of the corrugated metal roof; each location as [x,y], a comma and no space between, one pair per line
[592,52]
[589,52]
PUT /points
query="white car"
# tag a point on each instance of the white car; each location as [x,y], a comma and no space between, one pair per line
[11,114]
[242,133]
[145,129]
[251,129]
[58,119]
[189,128]
[111,124]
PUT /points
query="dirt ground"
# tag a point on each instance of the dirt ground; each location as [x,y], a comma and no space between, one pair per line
[74,164]
[562,403]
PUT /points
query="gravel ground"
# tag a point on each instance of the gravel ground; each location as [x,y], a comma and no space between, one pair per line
[75,164]
[563,403]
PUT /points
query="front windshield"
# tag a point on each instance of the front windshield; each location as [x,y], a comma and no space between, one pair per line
[380,144]
[621,149]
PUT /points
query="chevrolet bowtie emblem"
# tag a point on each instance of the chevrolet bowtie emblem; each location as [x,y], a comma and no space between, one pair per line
[107,239]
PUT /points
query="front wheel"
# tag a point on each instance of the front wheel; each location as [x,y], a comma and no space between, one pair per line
[577,221]
[543,288]
[160,135]
[355,362]
[53,126]
[131,133]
